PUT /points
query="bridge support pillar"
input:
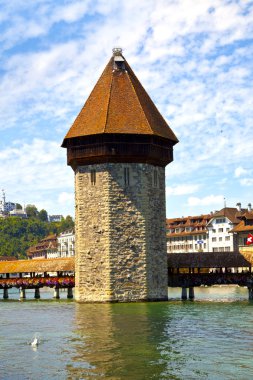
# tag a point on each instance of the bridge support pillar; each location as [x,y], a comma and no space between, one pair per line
[5,294]
[70,293]
[22,294]
[184,294]
[191,294]
[250,293]
[37,293]
[56,293]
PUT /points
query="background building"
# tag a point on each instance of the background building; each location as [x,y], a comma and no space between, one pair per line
[20,213]
[6,207]
[66,244]
[47,248]
[243,228]
[220,226]
[55,218]
[187,234]
[219,231]
[54,246]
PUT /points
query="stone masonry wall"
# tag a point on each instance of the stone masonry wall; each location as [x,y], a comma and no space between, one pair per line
[120,233]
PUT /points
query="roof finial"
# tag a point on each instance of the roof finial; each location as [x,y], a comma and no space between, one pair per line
[117,51]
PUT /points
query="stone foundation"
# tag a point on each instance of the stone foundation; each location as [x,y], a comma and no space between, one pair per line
[120,233]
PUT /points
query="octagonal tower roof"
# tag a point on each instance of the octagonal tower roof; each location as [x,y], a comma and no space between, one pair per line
[118,104]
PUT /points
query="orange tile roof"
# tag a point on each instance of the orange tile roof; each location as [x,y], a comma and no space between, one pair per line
[7,258]
[189,221]
[186,233]
[49,242]
[247,215]
[118,104]
[231,213]
[42,265]
[241,227]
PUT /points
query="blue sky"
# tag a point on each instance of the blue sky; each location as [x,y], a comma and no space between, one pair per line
[194,57]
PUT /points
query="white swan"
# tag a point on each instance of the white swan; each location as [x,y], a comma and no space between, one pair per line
[35,342]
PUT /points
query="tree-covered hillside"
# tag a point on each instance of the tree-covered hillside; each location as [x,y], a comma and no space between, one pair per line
[17,235]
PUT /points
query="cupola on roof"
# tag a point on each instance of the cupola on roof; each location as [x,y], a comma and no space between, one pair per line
[118,104]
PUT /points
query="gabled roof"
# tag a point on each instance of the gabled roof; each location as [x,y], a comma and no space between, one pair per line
[245,224]
[195,222]
[248,215]
[118,104]
[231,213]
[49,242]
[241,227]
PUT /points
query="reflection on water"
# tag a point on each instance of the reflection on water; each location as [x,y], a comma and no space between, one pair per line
[169,340]
[118,341]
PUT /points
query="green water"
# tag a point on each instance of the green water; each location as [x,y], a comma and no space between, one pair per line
[210,338]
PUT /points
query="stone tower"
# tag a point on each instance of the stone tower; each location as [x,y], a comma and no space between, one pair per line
[118,147]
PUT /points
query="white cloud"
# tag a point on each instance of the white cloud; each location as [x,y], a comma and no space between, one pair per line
[209,200]
[193,57]
[70,12]
[240,172]
[26,21]
[246,182]
[35,172]
[181,189]
[64,198]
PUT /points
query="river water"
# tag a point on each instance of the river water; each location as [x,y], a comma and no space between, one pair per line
[209,338]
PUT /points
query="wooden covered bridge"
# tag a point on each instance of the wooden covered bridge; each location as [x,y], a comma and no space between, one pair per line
[35,274]
[188,270]
[185,270]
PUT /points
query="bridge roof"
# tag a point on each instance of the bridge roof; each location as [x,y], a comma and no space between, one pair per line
[39,265]
[208,260]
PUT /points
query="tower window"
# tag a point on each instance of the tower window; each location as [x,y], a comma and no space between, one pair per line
[127,176]
[93,177]
[155,178]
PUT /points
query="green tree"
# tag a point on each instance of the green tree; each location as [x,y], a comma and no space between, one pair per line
[42,215]
[32,211]
[17,235]
[66,224]
[18,206]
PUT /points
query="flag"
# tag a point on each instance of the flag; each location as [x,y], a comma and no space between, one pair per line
[249,239]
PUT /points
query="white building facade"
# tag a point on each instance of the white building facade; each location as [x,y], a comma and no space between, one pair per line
[214,232]
[219,238]
[187,234]
[52,246]
[66,244]
[55,218]
[220,235]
